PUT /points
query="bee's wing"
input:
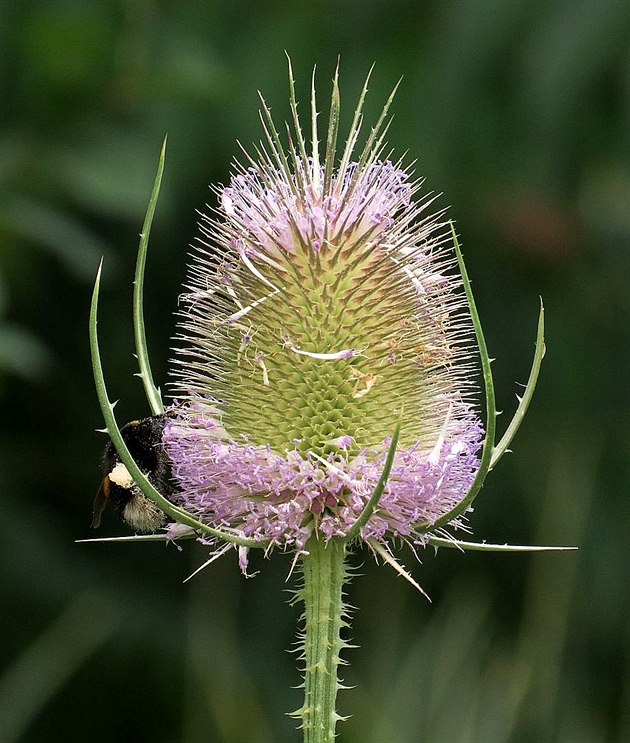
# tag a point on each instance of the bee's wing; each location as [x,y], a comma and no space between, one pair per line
[102,496]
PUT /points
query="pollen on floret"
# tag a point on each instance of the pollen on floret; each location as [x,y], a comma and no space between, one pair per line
[120,476]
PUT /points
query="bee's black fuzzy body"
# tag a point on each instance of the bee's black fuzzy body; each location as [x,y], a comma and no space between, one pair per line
[144,441]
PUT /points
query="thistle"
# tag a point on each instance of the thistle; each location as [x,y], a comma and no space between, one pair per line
[324,375]
[320,317]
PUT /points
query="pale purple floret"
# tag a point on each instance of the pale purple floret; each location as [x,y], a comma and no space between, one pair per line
[358,202]
[280,497]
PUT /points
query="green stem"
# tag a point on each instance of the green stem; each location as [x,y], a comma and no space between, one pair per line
[324,618]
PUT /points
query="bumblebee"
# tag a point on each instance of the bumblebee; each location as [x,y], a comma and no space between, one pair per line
[144,441]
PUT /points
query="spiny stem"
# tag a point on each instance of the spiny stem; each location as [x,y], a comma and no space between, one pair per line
[324,617]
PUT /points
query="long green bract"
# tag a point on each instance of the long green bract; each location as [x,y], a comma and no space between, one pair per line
[491,412]
[485,547]
[138,538]
[372,503]
[152,392]
[113,431]
[506,440]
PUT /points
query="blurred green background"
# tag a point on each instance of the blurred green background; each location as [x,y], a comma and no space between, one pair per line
[519,113]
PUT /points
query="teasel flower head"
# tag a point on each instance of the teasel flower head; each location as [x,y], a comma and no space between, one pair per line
[325,376]
[323,312]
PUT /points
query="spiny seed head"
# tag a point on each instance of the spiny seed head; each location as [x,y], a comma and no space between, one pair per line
[320,309]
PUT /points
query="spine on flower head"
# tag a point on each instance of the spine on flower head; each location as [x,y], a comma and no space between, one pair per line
[321,306]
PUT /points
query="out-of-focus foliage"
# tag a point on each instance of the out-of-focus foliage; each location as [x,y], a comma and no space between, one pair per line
[518,111]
